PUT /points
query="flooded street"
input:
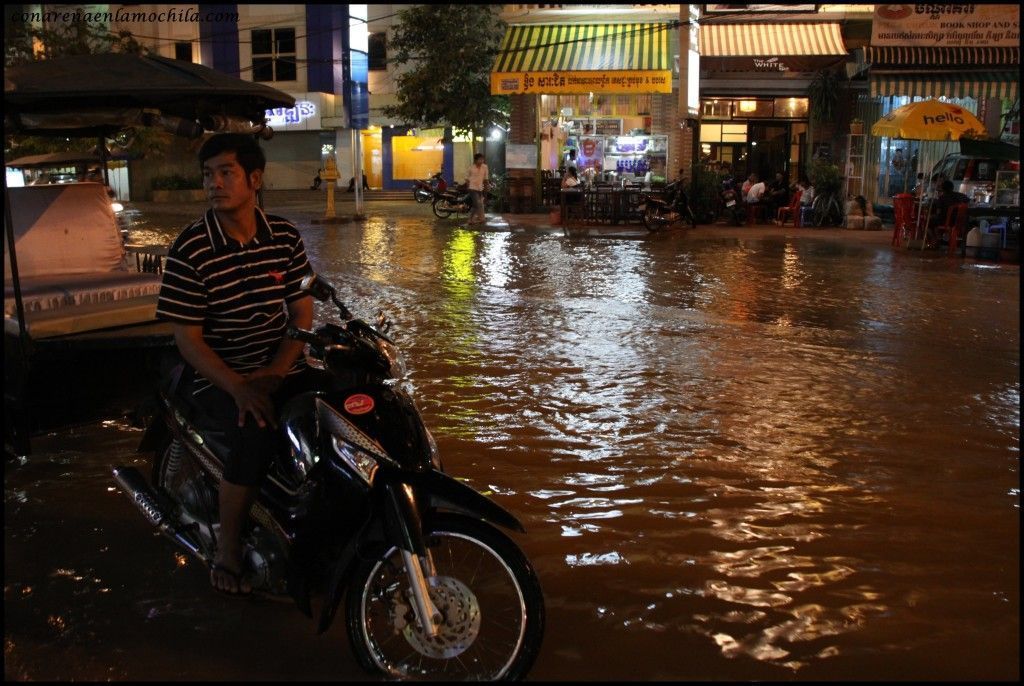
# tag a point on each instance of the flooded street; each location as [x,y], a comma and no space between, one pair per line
[738,455]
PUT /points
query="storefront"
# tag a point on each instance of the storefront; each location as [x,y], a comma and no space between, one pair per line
[971,78]
[917,54]
[753,85]
[601,96]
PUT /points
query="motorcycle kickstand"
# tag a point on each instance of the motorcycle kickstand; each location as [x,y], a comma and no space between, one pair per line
[426,612]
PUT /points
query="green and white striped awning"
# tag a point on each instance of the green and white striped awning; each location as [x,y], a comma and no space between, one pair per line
[584,47]
[973,84]
[584,58]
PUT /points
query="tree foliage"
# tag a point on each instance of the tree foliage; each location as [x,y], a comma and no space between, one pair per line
[444,54]
[29,43]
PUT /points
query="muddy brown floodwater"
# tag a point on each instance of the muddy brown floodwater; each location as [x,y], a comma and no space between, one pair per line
[738,455]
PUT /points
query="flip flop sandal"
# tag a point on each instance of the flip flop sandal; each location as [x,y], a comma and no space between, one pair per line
[236,576]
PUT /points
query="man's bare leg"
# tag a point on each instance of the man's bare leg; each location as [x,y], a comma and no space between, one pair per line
[235,502]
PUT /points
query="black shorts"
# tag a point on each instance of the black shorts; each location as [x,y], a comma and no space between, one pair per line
[248,451]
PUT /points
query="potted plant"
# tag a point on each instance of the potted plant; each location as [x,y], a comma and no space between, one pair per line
[856,126]
[823,93]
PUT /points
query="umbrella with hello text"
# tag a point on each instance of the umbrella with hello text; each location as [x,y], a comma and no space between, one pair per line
[929,120]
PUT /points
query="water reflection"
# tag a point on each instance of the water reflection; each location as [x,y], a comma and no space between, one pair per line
[736,458]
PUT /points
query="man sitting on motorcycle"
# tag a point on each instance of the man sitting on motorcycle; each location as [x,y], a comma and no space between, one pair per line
[230,288]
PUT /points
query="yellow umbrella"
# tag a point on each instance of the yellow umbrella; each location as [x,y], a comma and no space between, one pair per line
[929,120]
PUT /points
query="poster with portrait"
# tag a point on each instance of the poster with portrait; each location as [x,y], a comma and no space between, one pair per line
[590,153]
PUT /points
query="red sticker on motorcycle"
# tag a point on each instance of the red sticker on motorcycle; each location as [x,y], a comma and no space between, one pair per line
[360,403]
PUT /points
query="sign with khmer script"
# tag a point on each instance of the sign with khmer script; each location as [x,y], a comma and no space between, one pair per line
[947,25]
[554,82]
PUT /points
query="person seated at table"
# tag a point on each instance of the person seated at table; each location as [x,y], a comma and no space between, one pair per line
[754,194]
[571,179]
[777,193]
[919,186]
[859,215]
[783,212]
[572,195]
[935,188]
[745,188]
[947,198]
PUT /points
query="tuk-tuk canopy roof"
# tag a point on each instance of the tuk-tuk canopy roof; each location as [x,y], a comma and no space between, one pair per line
[103,93]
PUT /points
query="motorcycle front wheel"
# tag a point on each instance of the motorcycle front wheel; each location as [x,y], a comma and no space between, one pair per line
[486,591]
[441,208]
[420,195]
[652,220]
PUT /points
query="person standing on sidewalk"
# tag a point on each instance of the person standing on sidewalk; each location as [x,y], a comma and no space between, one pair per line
[478,181]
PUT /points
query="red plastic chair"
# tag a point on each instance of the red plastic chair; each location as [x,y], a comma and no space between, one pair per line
[955,225]
[792,211]
[903,209]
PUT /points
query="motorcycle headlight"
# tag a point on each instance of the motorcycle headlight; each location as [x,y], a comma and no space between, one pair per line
[358,461]
[394,358]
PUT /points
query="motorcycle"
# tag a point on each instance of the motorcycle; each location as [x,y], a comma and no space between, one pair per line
[423,191]
[731,202]
[455,200]
[668,210]
[357,507]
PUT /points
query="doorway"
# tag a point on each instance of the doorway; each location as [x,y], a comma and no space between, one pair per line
[769,150]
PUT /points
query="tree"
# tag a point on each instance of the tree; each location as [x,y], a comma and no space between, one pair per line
[445,53]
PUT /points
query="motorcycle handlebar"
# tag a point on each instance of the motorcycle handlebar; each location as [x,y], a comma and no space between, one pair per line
[304,336]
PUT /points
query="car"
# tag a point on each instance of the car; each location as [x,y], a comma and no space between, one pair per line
[972,175]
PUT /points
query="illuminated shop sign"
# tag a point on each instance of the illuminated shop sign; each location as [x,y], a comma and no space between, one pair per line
[553,82]
[282,117]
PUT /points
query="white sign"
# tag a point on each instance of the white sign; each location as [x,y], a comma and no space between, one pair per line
[520,156]
[309,109]
[947,25]
[279,118]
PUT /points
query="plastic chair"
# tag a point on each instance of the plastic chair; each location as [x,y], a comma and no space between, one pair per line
[903,209]
[792,211]
[955,225]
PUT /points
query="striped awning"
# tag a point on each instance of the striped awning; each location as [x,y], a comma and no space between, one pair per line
[584,47]
[770,40]
[581,58]
[951,85]
[959,57]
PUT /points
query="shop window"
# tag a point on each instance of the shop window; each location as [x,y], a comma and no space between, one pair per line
[716,109]
[273,55]
[710,133]
[790,108]
[754,109]
[734,133]
[723,133]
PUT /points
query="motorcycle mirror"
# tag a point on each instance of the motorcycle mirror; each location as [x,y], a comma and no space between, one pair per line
[317,287]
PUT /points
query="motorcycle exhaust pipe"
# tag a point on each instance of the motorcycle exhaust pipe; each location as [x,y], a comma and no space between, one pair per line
[145,498]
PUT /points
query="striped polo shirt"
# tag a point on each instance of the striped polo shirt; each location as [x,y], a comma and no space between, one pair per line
[237,293]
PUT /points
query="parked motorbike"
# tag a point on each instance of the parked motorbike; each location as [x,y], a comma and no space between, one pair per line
[731,202]
[424,191]
[668,210]
[357,507]
[455,200]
